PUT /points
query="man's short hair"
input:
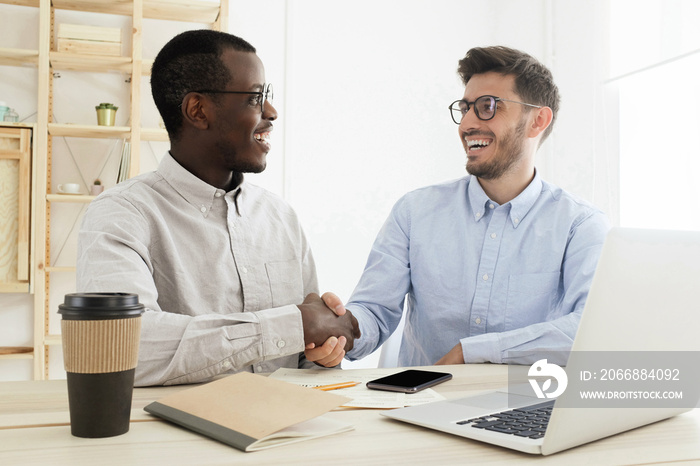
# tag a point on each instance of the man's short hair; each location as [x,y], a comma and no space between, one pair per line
[534,83]
[190,61]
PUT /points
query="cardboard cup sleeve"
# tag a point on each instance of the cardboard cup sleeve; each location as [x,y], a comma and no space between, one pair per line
[100,346]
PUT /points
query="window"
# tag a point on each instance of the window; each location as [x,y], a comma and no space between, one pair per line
[655,64]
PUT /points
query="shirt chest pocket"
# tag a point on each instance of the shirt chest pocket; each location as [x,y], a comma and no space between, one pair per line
[530,298]
[285,281]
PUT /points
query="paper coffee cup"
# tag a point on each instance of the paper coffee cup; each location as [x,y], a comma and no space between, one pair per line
[100,336]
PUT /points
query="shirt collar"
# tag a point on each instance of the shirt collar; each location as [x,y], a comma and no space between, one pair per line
[477,198]
[519,207]
[522,204]
[198,193]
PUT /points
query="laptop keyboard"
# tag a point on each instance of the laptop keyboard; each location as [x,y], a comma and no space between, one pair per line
[529,421]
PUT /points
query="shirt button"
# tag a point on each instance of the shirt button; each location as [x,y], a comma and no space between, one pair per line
[477,320]
[516,220]
[281,344]
[485,276]
[478,214]
[244,270]
[226,364]
[202,209]
[491,206]
[260,368]
[218,194]
[493,235]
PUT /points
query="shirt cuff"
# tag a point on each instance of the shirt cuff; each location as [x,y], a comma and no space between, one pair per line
[368,335]
[282,331]
[482,348]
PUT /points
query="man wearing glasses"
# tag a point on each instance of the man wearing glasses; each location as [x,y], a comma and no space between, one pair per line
[222,266]
[497,261]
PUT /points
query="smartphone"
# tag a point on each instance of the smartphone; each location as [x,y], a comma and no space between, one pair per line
[409,381]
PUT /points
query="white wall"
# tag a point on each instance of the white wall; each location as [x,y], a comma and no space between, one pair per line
[362,89]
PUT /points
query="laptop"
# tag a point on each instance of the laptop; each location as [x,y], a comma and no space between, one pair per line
[643,298]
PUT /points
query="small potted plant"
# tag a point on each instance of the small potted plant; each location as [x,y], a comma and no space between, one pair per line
[106,114]
[96,187]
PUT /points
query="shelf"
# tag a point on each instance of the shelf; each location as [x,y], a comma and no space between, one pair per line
[196,11]
[89,131]
[17,356]
[181,10]
[34,3]
[94,63]
[18,57]
[111,7]
[52,340]
[14,287]
[191,11]
[75,198]
[105,132]
[154,134]
[59,269]
[16,352]
[17,124]
[16,349]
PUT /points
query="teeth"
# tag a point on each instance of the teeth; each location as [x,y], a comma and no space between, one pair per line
[262,136]
[477,142]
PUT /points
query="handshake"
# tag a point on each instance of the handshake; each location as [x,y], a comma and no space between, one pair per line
[329,329]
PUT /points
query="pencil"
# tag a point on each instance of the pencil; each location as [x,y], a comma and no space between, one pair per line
[336,386]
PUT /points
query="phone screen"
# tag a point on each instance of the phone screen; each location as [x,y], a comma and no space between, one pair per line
[409,381]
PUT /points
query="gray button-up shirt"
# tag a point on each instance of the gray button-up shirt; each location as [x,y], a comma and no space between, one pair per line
[220,273]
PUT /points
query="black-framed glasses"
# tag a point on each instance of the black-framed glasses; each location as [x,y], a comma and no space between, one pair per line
[484,107]
[264,95]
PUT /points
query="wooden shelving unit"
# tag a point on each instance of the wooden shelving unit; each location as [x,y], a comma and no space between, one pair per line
[47,61]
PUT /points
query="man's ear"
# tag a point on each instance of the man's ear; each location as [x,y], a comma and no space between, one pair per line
[195,110]
[541,119]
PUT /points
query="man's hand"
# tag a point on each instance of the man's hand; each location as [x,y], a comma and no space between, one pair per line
[333,302]
[330,354]
[455,356]
[324,318]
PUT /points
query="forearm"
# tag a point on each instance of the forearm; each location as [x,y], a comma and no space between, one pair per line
[178,349]
[524,345]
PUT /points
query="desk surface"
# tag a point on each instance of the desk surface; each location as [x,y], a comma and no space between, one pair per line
[34,430]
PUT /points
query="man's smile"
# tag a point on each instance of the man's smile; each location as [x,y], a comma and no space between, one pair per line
[477,144]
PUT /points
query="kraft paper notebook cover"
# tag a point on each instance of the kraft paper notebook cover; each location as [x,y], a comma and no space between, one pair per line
[252,412]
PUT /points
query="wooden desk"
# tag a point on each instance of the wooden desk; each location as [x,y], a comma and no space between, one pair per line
[34,430]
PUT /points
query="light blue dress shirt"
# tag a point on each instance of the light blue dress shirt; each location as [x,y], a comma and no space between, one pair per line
[497,278]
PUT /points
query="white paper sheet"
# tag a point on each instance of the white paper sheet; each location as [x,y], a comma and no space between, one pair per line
[362,397]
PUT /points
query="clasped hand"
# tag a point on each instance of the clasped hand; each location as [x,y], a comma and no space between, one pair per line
[329,329]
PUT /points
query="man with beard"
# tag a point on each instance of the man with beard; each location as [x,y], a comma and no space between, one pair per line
[498,263]
[222,266]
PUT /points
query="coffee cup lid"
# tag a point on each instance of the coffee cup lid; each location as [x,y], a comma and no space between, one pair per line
[100,306]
